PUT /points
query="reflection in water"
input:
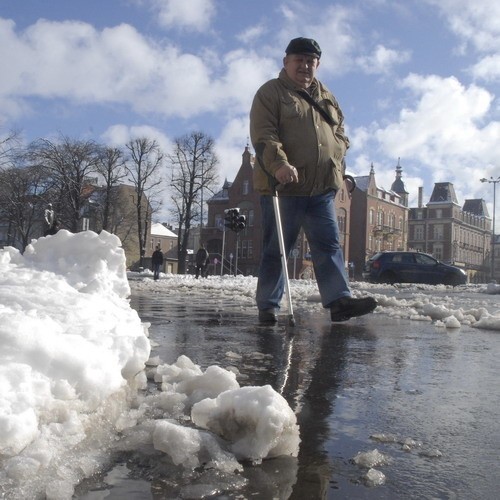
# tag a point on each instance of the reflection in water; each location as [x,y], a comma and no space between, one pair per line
[345,382]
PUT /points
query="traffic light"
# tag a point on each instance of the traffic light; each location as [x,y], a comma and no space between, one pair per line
[241,223]
[231,218]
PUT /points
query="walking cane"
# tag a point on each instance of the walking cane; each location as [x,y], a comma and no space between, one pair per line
[279,229]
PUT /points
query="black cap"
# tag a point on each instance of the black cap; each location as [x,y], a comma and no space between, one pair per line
[303,46]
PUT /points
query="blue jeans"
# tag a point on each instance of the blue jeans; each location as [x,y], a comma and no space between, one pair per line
[317,216]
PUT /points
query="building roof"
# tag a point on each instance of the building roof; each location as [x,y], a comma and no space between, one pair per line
[443,192]
[158,229]
[476,207]
[222,194]
[362,182]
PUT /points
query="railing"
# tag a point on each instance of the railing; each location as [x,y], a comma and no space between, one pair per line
[227,265]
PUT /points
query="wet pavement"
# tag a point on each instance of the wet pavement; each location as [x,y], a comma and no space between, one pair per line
[426,398]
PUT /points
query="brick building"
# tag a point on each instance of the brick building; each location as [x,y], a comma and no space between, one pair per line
[240,194]
[378,218]
[454,234]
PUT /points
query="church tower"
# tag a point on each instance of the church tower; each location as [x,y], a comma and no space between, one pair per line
[398,186]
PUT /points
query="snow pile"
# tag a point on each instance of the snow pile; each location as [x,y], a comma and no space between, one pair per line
[257,421]
[74,362]
[253,423]
[72,348]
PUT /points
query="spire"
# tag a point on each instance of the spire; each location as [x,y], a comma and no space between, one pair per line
[372,170]
[398,186]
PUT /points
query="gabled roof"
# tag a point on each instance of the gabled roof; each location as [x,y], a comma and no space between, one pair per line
[158,229]
[362,182]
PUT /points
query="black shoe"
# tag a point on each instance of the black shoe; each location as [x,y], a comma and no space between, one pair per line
[348,307]
[268,316]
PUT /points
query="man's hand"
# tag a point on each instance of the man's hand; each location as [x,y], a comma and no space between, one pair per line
[286,174]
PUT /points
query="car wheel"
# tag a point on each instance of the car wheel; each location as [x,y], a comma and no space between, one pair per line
[451,280]
[388,277]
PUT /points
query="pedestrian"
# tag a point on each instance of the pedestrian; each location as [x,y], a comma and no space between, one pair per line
[202,261]
[297,130]
[352,268]
[157,261]
[52,225]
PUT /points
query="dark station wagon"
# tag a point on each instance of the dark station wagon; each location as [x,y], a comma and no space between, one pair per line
[411,267]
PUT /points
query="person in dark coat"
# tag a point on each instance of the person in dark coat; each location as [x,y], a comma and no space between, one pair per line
[202,261]
[157,262]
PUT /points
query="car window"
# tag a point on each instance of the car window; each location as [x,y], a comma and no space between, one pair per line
[426,260]
[403,258]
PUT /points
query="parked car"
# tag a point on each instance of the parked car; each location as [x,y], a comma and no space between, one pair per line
[411,267]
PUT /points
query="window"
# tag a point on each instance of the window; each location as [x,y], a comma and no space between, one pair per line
[250,218]
[341,221]
[439,213]
[372,216]
[419,232]
[438,252]
[245,187]
[424,259]
[392,220]
[243,252]
[438,232]
[380,218]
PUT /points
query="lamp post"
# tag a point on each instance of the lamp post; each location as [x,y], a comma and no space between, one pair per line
[493,181]
[202,181]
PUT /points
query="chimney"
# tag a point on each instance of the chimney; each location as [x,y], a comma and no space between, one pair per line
[420,196]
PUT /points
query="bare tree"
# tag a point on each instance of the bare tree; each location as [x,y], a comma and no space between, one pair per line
[110,165]
[143,165]
[22,192]
[193,166]
[70,165]
[10,149]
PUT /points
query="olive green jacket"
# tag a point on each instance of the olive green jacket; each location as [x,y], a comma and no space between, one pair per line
[286,130]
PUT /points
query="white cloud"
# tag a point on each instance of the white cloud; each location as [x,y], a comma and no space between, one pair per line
[73,61]
[487,69]
[443,128]
[382,60]
[230,146]
[118,135]
[476,23]
[331,27]
[252,33]
[194,15]
[444,134]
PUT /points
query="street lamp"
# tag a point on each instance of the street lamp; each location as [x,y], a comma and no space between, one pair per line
[202,182]
[493,181]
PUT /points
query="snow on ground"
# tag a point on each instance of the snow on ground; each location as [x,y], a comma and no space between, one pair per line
[73,356]
[443,305]
[73,378]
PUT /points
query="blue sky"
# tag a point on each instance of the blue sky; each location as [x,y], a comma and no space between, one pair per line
[417,80]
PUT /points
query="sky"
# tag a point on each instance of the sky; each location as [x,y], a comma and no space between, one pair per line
[417,80]
[76,358]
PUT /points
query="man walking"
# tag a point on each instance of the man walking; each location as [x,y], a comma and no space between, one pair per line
[297,130]
[157,262]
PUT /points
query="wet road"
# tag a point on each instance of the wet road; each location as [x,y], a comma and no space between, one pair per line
[427,398]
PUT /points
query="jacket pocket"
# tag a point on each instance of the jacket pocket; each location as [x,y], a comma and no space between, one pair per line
[335,175]
[290,107]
